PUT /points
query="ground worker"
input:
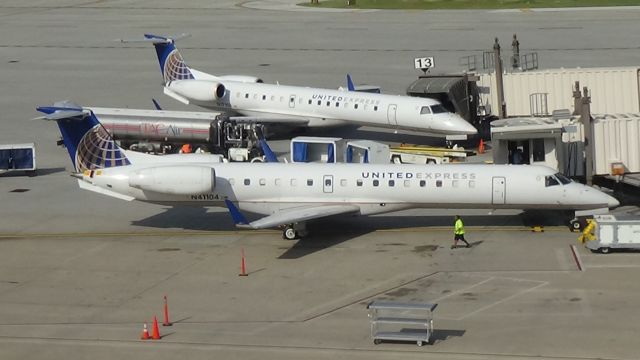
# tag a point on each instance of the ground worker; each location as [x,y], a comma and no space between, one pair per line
[186,149]
[458,233]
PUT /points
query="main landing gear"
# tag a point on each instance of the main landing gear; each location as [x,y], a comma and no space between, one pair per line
[294,231]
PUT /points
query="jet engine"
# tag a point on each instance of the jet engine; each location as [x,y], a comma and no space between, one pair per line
[199,90]
[175,180]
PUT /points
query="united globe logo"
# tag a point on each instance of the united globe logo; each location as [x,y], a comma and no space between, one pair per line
[175,68]
[97,150]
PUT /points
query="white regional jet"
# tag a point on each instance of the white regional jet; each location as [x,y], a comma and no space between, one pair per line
[289,194]
[248,99]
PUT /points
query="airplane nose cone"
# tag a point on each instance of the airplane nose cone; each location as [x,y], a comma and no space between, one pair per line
[452,124]
[612,202]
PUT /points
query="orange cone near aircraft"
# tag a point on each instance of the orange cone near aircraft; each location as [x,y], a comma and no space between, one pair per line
[145,333]
[156,330]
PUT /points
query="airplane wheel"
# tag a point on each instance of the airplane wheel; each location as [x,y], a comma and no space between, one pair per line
[289,233]
[576,225]
[396,160]
[604,250]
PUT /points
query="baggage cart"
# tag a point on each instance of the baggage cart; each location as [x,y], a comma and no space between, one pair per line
[396,321]
[18,157]
[606,232]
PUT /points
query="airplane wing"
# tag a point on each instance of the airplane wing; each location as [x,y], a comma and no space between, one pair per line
[292,215]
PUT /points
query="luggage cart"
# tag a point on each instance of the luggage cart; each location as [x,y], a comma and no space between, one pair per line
[18,157]
[398,321]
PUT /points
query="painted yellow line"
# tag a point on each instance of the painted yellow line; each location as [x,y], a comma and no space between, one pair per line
[258,232]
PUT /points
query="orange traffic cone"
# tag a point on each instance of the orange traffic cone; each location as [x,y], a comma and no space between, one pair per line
[243,266]
[166,321]
[156,329]
[145,333]
[481,147]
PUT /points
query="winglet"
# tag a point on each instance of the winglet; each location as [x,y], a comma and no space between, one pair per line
[236,215]
[350,85]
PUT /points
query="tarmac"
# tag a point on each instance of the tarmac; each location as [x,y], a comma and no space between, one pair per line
[81,273]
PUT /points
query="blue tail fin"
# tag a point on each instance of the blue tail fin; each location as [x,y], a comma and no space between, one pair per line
[350,85]
[171,64]
[89,144]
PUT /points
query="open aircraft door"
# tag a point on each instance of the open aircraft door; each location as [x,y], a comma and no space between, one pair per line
[499,185]
[391,114]
[327,183]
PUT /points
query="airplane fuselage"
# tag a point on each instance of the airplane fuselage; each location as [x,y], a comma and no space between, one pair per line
[375,189]
[325,107]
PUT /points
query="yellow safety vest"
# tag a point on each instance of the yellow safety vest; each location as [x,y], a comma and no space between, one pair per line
[459,227]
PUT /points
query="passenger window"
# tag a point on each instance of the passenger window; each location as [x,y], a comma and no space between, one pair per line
[247,182]
[246,96]
[264,97]
[294,182]
[550,181]
[337,104]
[355,106]
[407,183]
[327,182]
[281,98]
[376,182]
[343,182]
[278,182]
[262,182]
[472,183]
[319,102]
[392,183]
[238,95]
[423,183]
[438,183]
[375,108]
[309,101]
[359,182]
[309,182]
[255,96]
[273,98]
[328,103]
[454,183]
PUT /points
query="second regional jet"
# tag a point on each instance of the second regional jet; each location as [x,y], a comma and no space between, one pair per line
[249,99]
[290,194]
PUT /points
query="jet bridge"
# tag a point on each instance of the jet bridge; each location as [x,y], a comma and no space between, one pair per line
[458,93]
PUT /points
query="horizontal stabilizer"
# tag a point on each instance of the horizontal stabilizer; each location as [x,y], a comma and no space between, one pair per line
[157,39]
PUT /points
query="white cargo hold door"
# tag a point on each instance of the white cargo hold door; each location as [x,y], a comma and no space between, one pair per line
[498,190]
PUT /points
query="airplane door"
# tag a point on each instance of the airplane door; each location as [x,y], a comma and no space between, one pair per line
[327,183]
[292,101]
[391,114]
[499,185]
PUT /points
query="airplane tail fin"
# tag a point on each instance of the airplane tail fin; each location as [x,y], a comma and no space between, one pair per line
[89,144]
[172,65]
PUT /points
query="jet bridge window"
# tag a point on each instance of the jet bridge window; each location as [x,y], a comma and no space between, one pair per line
[425,110]
[550,181]
[438,109]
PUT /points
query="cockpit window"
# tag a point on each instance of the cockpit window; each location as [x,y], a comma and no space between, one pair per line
[437,109]
[425,110]
[563,179]
[550,181]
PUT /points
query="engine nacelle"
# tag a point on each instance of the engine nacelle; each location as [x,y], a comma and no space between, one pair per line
[199,90]
[175,180]
[241,78]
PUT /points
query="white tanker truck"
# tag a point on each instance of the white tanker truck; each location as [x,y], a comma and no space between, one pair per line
[162,132]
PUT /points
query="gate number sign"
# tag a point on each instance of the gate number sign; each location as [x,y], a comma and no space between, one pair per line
[423,63]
